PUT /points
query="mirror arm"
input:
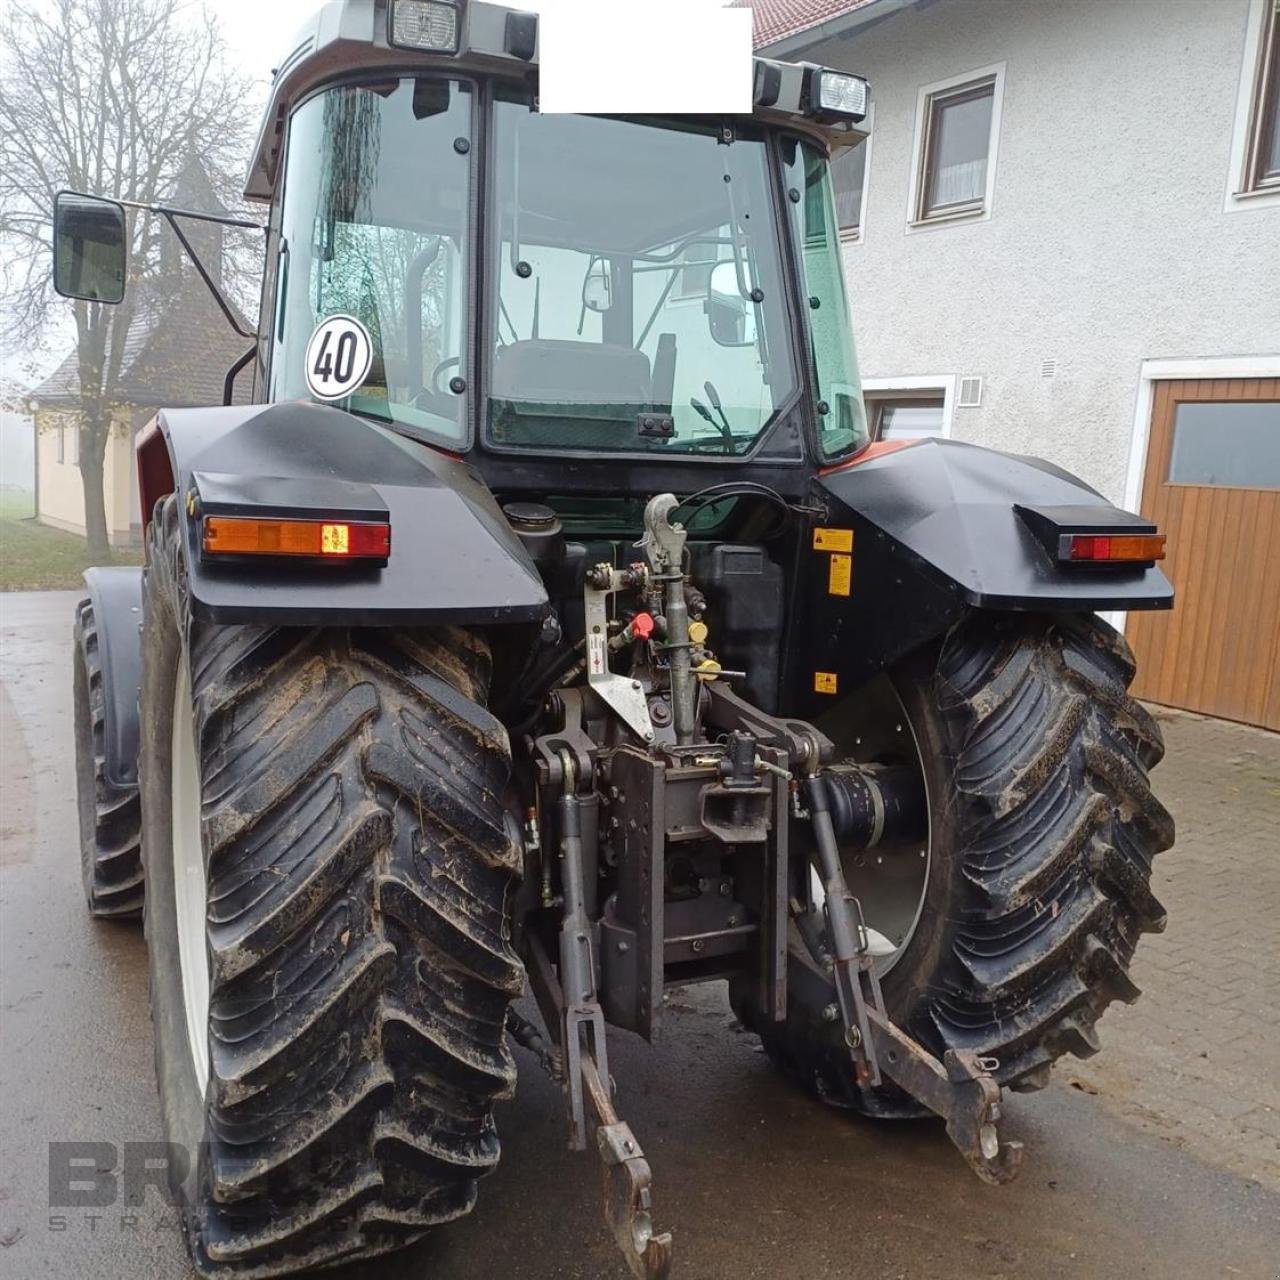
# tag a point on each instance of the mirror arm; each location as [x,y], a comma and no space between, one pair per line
[229,385]
[735,234]
[506,315]
[167,211]
[662,301]
[170,216]
[516,260]
[586,281]
[414,287]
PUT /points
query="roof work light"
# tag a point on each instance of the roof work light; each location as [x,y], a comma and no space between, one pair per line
[432,25]
[836,95]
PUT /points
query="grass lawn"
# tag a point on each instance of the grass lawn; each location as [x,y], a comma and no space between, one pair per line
[36,558]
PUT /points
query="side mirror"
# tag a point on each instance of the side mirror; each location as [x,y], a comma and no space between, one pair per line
[90,238]
[732,317]
[597,288]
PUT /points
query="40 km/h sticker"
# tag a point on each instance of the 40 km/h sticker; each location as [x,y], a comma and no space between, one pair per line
[338,357]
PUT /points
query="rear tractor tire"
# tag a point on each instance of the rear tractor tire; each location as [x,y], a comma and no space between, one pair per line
[110,815]
[1035,882]
[329,869]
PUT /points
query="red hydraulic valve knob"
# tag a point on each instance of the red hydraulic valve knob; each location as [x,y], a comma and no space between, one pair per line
[642,626]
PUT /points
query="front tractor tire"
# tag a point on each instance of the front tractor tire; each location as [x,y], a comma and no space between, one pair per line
[109,814]
[1043,826]
[329,865]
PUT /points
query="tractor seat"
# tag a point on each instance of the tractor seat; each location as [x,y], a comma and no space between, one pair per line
[549,393]
[552,371]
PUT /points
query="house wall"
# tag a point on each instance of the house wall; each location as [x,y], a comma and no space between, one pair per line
[60,501]
[1108,243]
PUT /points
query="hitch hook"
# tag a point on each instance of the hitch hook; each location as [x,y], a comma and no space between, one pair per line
[628,1205]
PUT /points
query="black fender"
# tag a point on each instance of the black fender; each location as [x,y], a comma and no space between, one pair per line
[453,556]
[937,528]
[116,595]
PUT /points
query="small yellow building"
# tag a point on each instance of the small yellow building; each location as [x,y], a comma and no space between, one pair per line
[59,490]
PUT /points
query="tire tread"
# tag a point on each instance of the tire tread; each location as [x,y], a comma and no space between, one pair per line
[359,874]
[111,855]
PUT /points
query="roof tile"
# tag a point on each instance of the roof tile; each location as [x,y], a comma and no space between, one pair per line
[777,19]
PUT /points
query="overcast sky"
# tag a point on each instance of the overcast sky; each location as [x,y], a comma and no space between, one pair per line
[258,35]
[258,31]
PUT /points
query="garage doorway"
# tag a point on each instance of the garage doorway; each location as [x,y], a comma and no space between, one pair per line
[1212,484]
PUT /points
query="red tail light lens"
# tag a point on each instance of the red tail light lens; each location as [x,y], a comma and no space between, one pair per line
[1134,548]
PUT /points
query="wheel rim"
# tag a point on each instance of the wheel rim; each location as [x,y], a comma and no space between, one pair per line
[891,883]
[188,877]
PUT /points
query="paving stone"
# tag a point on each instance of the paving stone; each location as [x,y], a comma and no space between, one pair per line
[1211,981]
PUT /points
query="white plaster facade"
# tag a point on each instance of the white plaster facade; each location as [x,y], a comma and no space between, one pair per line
[1108,242]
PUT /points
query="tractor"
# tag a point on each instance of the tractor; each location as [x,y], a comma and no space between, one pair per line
[548,628]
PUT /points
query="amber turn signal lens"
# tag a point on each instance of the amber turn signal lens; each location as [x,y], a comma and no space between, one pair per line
[1111,547]
[323,539]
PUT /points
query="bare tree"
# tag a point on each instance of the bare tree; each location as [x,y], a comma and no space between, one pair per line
[111,97]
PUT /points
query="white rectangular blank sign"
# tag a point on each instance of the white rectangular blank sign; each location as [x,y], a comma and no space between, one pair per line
[639,57]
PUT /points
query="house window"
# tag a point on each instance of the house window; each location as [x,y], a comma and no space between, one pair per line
[957,130]
[849,178]
[69,445]
[907,417]
[1235,444]
[1263,163]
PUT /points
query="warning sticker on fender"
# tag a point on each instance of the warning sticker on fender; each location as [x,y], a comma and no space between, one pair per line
[833,540]
[339,357]
[840,579]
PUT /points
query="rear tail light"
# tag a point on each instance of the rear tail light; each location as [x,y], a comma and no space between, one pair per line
[317,539]
[1112,548]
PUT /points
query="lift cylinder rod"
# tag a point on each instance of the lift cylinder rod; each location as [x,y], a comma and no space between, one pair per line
[664,548]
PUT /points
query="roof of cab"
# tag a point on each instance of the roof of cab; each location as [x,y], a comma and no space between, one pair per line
[348,37]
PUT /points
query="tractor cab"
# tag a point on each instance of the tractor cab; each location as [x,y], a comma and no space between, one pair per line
[444,259]
[665,289]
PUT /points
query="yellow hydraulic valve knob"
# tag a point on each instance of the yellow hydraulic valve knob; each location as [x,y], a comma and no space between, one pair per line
[698,632]
[708,669]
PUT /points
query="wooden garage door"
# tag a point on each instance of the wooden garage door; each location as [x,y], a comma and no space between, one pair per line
[1213,485]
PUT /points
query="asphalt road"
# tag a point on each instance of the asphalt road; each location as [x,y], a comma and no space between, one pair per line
[754,1179]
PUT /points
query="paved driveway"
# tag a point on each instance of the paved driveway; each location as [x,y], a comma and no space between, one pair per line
[1139,1170]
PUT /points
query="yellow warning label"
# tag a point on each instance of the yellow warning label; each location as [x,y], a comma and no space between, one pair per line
[833,540]
[840,579]
[825,682]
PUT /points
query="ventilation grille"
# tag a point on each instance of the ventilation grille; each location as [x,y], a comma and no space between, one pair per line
[970,393]
[1048,368]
